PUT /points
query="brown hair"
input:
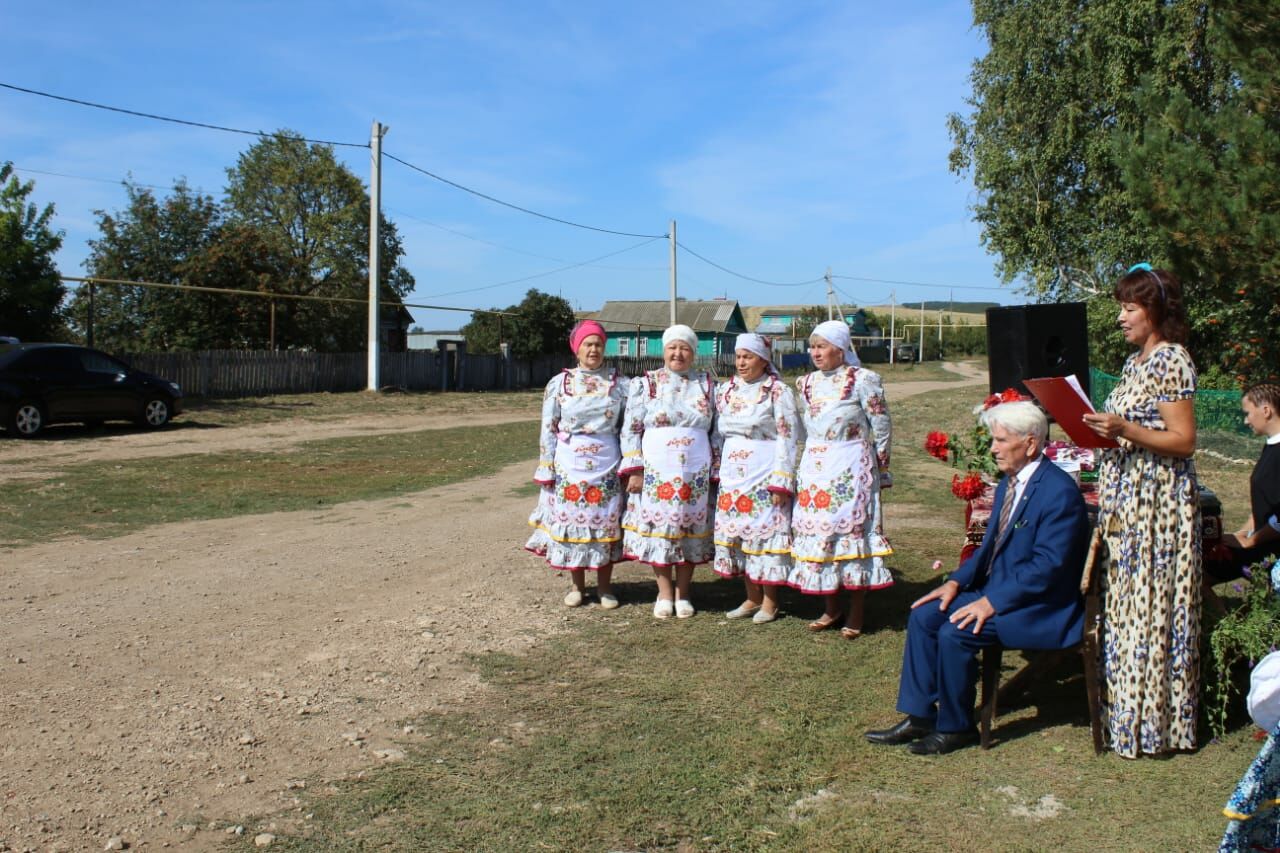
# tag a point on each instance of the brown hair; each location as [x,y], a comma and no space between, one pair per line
[1160,294]
[1264,394]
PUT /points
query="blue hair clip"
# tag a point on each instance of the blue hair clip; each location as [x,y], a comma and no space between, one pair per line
[1146,268]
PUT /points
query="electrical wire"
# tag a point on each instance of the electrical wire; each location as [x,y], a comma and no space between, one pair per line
[473,238]
[258,133]
[544,274]
[486,197]
[115,181]
[747,277]
[302,297]
[919,283]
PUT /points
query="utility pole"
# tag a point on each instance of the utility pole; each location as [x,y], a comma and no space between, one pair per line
[673,273]
[893,315]
[375,208]
[923,320]
[831,297]
[939,333]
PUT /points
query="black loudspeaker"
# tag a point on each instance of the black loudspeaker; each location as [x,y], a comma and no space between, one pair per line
[1032,341]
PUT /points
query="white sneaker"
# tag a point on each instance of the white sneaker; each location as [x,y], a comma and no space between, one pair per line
[608,602]
[742,610]
[663,608]
[763,616]
[684,609]
[573,597]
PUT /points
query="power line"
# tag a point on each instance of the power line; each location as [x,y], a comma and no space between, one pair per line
[188,123]
[547,273]
[486,197]
[919,283]
[173,121]
[115,181]
[303,297]
[747,277]
[475,239]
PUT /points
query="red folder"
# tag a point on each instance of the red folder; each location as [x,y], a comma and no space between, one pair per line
[1067,405]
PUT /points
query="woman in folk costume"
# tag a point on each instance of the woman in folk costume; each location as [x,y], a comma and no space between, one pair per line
[837,530]
[755,456]
[666,457]
[579,510]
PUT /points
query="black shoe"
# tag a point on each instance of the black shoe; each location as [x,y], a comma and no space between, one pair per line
[940,743]
[907,730]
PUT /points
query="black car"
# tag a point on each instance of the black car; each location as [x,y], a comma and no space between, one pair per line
[57,383]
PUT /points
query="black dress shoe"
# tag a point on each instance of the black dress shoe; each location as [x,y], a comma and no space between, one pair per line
[907,730]
[940,743]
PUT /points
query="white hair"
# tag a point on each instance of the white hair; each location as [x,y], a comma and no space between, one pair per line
[1021,417]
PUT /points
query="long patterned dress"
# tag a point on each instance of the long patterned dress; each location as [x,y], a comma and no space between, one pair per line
[576,522]
[666,435]
[754,446]
[1150,516]
[837,526]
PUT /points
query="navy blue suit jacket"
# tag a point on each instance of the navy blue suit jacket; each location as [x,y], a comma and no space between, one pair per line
[1031,575]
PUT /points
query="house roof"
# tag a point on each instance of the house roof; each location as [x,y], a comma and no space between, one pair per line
[721,316]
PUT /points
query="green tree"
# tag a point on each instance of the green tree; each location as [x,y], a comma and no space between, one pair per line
[1058,86]
[541,327]
[31,290]
[183,238]
[1204,177]
[313,214]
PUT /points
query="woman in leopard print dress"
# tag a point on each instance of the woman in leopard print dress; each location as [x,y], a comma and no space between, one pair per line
[1150,517]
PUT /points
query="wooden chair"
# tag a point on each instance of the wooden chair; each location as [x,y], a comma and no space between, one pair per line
[1039,662]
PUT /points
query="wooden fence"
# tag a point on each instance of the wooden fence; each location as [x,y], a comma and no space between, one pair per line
[250,373]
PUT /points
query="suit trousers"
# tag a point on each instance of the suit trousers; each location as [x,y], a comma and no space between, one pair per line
[939,678]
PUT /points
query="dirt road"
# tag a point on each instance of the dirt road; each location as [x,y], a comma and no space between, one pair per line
[160,684]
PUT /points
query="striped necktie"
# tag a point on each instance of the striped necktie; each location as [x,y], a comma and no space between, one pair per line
[1006,510]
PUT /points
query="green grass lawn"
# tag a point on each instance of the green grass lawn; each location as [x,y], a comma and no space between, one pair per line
[633,734]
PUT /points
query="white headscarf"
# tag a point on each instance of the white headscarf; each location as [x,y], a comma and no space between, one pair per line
[756,345]
[681,332]
[836,332]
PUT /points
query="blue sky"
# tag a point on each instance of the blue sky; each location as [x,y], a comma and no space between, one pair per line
[783,137]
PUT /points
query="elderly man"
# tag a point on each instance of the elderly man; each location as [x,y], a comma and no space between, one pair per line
[1020,589]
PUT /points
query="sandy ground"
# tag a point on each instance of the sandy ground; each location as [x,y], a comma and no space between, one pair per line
[161,685]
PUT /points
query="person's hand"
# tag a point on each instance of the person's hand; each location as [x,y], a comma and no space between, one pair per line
[944,595]
[1106,424]
[779,499]
[635,482]
[974,613]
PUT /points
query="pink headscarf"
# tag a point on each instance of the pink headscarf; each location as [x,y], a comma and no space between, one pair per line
[582,331]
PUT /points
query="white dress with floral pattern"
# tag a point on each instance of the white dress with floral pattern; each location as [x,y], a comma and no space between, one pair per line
[577,520]
[666,435]
[752,536]
[837,525]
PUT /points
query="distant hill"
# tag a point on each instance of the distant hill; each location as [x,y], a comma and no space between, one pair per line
[943,305]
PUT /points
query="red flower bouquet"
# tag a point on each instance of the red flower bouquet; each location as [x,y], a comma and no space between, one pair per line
[970,450]
[968,487]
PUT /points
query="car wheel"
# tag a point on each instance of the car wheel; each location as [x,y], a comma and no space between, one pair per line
[27,419]
[155,412]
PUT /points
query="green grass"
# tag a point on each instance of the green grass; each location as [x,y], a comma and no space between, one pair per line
[632,734]
[109,498]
